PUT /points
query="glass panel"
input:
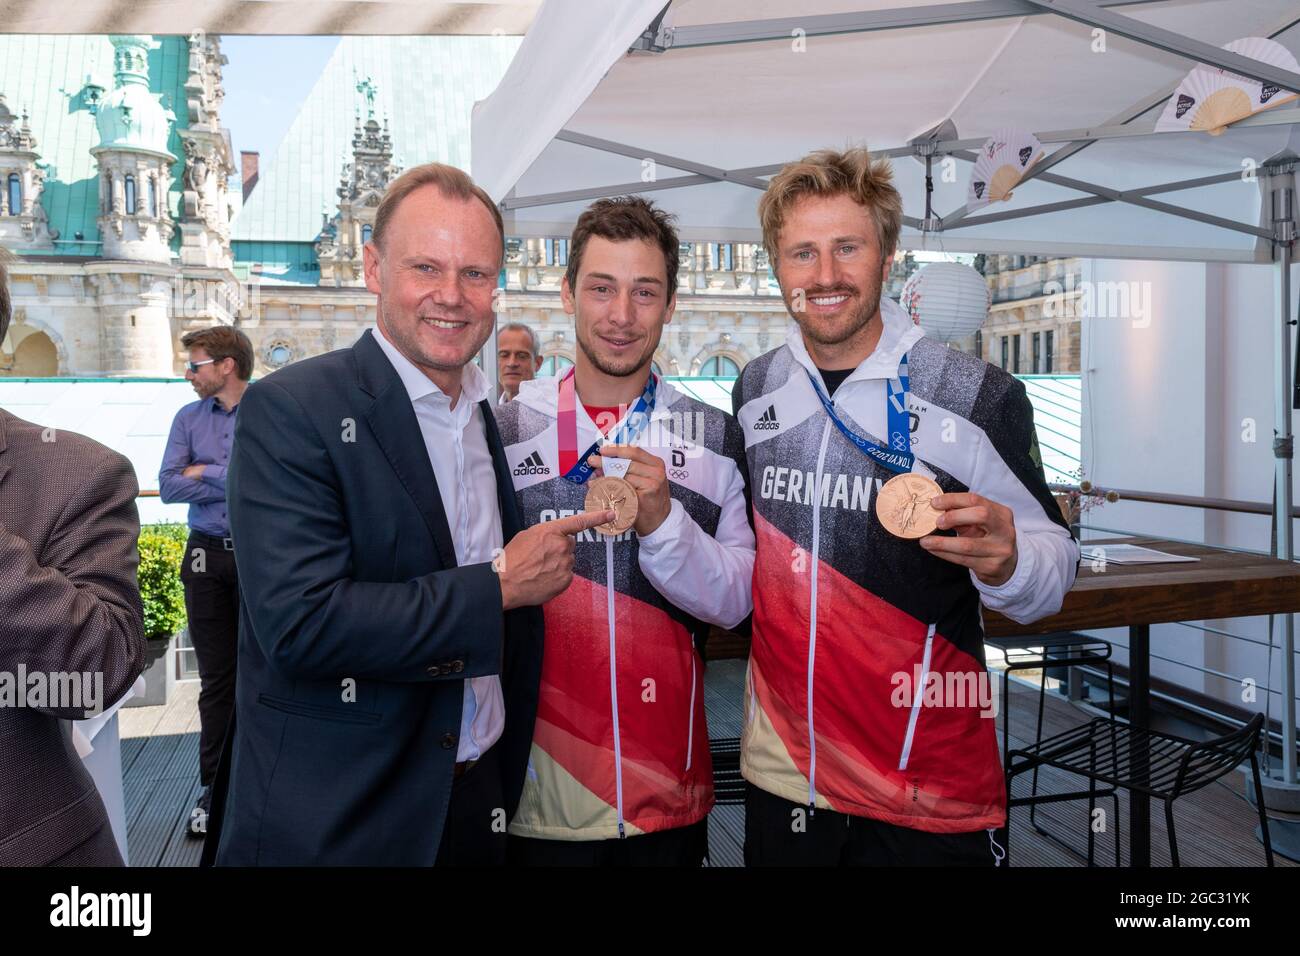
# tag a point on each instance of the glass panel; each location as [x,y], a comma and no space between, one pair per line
[720,367]
[554,365]
[130,195]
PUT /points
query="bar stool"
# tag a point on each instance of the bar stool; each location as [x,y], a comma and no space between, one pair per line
[1041,653]
[1163,766]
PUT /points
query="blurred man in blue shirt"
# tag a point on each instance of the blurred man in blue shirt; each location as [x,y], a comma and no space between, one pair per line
[194,471]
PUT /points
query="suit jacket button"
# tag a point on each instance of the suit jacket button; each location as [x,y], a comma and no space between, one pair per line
[457,666]
[448,741]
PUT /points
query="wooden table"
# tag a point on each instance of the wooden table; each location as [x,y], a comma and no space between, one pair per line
[1222,584]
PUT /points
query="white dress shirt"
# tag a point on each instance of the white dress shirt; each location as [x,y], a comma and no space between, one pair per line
[456,441]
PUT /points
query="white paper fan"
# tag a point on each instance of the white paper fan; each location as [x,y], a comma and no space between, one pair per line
[1273,53]
[1003,161]
[1209,98]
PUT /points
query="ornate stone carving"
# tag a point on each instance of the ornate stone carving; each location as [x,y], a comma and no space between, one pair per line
[22,179]
[361,187]
[205,207]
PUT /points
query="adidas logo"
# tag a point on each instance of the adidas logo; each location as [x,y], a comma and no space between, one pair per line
[767,421]
[532,465]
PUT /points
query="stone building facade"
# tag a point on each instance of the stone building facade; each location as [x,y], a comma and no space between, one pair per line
[129,242]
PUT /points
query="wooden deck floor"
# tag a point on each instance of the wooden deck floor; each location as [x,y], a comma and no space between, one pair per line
[160,774]
[1215,825]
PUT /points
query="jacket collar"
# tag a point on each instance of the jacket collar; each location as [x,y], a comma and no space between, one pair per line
[4,458]
[474,384]
[897,337]
[543,395]
[397,432]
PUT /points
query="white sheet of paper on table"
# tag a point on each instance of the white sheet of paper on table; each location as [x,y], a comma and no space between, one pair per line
[1130,554]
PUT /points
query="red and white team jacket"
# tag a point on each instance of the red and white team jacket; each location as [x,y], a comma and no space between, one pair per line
[865,677]
[620,745]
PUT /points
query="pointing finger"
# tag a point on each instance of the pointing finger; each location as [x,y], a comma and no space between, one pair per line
[574,524]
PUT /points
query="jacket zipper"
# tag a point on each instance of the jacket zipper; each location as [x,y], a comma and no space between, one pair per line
[917,693]
[613,684]
[690,720]
[812,613]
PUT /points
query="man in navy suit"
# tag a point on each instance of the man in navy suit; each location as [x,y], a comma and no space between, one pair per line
[390,643]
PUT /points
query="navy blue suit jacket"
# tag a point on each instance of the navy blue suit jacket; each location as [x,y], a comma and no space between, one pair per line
[348,579]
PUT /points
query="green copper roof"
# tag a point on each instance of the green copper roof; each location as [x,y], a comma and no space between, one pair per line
[130,117]
[425,86]
[46,75]
[282,263]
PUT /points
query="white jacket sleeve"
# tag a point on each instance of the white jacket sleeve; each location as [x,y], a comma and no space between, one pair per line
[1045,570]
[709,577]
[1047,554]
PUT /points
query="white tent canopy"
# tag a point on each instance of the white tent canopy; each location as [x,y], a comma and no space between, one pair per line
[718,111]
[698,102]
[292,17]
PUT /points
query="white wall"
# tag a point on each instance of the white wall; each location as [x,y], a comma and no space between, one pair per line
[1167,396]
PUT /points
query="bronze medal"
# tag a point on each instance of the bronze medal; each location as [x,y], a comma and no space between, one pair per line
[903,505]
[612,494]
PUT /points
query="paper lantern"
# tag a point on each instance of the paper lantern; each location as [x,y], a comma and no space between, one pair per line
[949,300]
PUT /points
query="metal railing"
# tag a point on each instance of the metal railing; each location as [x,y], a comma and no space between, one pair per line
[1231,505]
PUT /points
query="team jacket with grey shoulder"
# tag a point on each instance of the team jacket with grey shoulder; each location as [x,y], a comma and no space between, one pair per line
[867,691]
[620,745]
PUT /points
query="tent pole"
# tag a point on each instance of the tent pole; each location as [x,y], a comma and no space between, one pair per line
[1283,237]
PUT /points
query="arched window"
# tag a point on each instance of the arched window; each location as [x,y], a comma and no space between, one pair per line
[153,197]
[130,195]
[366,232]
[554,365]
[15,195]
[720,367]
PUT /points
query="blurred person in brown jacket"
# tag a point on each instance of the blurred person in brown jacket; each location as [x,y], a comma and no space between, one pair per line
[71,630]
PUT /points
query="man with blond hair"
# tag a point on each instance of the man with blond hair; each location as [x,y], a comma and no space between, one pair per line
[867,595]
[390,643]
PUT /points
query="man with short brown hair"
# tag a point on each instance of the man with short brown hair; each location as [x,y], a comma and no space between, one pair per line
[194,471]
[620,772]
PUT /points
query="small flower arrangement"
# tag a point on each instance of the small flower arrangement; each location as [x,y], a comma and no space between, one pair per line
[1077,501]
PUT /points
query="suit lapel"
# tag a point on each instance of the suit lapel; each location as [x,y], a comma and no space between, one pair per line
[511,522]
[393,422]
[4,456]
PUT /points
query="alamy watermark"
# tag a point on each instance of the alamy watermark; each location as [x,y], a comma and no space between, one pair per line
[956,689]
[1130,300]
[53,690]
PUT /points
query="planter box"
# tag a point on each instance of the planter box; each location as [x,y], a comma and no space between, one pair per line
[159,673]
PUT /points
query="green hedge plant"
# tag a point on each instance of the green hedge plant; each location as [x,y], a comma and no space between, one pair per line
[162,548]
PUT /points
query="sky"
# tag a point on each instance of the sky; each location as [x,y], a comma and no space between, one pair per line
[266,80]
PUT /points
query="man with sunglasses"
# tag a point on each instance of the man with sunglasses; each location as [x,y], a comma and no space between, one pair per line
[194,471]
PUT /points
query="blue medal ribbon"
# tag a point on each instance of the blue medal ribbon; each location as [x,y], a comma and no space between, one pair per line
[898,456]
[633,424]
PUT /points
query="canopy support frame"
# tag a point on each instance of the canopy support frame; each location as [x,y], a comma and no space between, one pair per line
[1091,14]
